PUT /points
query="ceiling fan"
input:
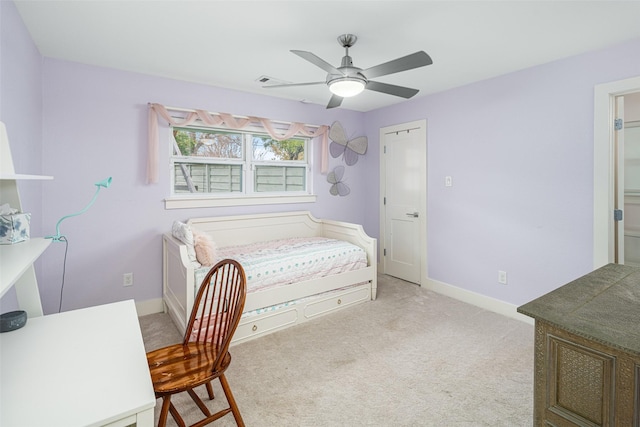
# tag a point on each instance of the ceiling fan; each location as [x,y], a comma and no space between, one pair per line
[347,80]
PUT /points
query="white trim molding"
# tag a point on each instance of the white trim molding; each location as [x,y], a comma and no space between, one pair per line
[151,306]
[479,300]
[186,202]
[156,305]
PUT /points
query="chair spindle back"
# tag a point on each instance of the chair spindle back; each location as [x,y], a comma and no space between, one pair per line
[218,307]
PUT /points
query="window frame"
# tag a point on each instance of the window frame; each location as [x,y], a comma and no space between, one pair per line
[248,196]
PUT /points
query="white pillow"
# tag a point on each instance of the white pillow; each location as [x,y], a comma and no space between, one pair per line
[182,232]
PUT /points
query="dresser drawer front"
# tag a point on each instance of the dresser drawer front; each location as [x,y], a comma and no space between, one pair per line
[262,324]
[335,302]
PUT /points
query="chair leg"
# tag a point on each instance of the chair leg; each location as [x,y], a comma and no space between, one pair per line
[164,412]
[176,416]
[231,400]
[210,390]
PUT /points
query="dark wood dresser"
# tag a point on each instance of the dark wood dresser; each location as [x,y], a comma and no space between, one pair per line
[587,350]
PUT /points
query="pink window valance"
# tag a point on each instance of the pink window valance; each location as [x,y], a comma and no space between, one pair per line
[229,121]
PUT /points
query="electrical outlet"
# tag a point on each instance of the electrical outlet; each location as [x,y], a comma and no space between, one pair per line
[127,279]
[448,181]
[502,277]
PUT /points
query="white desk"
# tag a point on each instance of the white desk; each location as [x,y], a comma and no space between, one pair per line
[84,367]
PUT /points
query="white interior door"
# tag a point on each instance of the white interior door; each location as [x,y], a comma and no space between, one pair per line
[404,179]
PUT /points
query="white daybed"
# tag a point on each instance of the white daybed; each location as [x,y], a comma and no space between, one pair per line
[288,305]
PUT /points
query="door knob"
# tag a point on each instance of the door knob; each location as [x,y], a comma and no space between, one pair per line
[415,214]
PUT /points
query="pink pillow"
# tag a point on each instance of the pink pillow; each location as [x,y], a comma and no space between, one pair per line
[205,249]
[208,334]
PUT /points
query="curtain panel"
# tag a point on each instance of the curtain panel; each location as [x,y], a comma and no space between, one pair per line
[229,121]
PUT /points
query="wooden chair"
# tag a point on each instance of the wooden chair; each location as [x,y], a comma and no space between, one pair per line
[203,355]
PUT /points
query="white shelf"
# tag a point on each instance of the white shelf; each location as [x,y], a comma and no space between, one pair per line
[17,258]
[16,261]
[16,176]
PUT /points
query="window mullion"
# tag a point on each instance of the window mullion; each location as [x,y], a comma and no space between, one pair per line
[284,178]
[250,168]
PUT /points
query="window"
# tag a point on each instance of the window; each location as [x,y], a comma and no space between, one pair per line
[222,163]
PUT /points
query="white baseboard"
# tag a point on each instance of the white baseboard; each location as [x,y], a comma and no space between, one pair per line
[149,307]
[479,300]
[506,309]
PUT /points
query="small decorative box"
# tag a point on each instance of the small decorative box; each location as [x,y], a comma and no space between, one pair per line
[12,320]
[14,228]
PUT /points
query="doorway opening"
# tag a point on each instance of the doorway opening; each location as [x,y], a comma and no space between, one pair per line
[627,191]
[605,171]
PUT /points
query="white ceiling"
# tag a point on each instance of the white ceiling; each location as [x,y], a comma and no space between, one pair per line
[233,43]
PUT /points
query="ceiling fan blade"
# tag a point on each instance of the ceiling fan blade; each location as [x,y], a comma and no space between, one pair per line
[335,101]
[401,91]
[317,61]
[294,84]
[409,62]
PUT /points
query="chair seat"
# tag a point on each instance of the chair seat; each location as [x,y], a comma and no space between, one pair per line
[180,367]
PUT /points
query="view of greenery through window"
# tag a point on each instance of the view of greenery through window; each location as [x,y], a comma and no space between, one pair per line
[213,161]
[208,144]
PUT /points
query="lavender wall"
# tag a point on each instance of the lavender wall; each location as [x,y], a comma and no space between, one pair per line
[95,122]
[520,150]
[21,112]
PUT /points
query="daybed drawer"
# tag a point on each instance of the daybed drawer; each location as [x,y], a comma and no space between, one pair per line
[261,324]
[337,301]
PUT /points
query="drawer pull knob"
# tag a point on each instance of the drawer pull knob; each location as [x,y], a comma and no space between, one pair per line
[255,328]
[339,301]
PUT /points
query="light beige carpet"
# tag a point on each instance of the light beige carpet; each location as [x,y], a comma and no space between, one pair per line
[412,357]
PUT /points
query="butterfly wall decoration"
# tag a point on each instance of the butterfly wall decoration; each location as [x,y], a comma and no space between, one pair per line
[338,188]
[350,149]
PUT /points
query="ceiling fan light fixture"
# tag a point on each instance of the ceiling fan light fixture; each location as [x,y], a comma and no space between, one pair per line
[346,86]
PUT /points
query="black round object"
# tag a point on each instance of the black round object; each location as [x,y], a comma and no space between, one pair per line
[12,320]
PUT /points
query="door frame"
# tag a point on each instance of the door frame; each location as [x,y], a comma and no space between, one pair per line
[604,167]
[421,127]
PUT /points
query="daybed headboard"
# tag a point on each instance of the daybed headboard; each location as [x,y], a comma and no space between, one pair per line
[244,229]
